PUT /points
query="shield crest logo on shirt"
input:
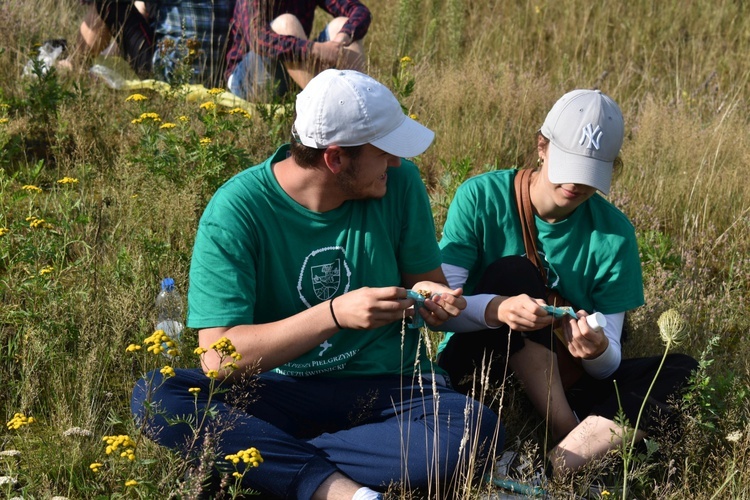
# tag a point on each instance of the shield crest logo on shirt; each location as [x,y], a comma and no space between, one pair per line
[326,279]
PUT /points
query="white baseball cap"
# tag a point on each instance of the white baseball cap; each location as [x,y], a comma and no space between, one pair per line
[585,129]
[349,108]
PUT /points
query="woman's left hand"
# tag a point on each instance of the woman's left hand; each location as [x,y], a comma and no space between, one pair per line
[583,341]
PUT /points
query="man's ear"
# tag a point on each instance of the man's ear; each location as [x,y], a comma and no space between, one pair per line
[334,158]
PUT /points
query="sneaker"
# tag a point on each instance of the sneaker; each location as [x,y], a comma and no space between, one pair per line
[517,472]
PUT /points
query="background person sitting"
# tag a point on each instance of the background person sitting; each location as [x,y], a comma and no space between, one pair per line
[159,38]
[271,46]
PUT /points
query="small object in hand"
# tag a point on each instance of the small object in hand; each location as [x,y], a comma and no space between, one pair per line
[419,297]
[560,312]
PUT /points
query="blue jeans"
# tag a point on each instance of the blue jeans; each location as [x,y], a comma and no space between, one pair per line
[257,77]
[376,431]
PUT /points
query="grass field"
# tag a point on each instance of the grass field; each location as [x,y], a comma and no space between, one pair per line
[97,203]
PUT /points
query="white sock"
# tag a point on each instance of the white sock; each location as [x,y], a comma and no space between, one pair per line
[365,493]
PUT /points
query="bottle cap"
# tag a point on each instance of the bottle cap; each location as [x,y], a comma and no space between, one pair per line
[167,284]
[596,321]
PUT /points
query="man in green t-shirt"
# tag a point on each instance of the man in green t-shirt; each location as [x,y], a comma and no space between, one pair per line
[308,264]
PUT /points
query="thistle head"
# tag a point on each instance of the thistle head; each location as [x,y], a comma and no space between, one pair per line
[672,327]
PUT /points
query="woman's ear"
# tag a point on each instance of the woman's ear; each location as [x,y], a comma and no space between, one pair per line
[542,144]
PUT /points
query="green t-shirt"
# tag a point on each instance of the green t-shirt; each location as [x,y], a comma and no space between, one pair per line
[591,257]
[261,257]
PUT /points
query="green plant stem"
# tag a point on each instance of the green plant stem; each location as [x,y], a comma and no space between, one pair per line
[638,420]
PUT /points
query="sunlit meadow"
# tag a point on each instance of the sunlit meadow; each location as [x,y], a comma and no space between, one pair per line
[101,191]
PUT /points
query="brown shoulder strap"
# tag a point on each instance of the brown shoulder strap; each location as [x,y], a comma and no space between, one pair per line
[521,184]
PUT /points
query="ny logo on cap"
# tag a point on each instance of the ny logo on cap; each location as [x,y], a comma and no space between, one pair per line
[593,134]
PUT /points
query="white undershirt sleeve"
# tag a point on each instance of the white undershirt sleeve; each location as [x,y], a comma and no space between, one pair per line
[472,318]
[607,362]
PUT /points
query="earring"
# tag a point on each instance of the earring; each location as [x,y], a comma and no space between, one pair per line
[539,161]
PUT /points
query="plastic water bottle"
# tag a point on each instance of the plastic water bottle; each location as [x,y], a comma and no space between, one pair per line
[169,316]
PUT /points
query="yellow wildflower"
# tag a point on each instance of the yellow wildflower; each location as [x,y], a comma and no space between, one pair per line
[4,231]
[46,270]
[216,91]
[134,196]
[131,482]
[230,366]
[167,371]
[68,180]
[200,350]
[212,374]
[35,222]
[236,356]
[133,348]
[194,390]
[3,120]
[406,60]
[183,118]
[96,466]
[413,116]
[120,441]
[208,105]
[237,475]
[19,420]
[538,10]
[223,346]
[4,105]
[136,98]
[150,116]
[205,141]
[240,111]
[31,188]
[168,125]
[250,456]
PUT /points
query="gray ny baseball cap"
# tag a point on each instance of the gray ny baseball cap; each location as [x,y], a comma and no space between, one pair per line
[585,129]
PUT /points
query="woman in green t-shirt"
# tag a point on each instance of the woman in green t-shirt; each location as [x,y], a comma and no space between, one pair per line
[585,253]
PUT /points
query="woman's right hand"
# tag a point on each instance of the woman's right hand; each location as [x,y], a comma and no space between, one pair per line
[522,313]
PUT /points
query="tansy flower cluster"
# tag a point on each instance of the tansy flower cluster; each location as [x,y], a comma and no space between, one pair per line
[146,116]
[46,270]
[19,420]
[68,180]
[131,482]
[114,443]
[216,91]
[96,467]
[208,105]
[240,111]
[205,141]
[250,456]
[224,347]
[4,231]
[136,98]
[167,371]
[158,340]
[168,125]
[32,189]
[35,222]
